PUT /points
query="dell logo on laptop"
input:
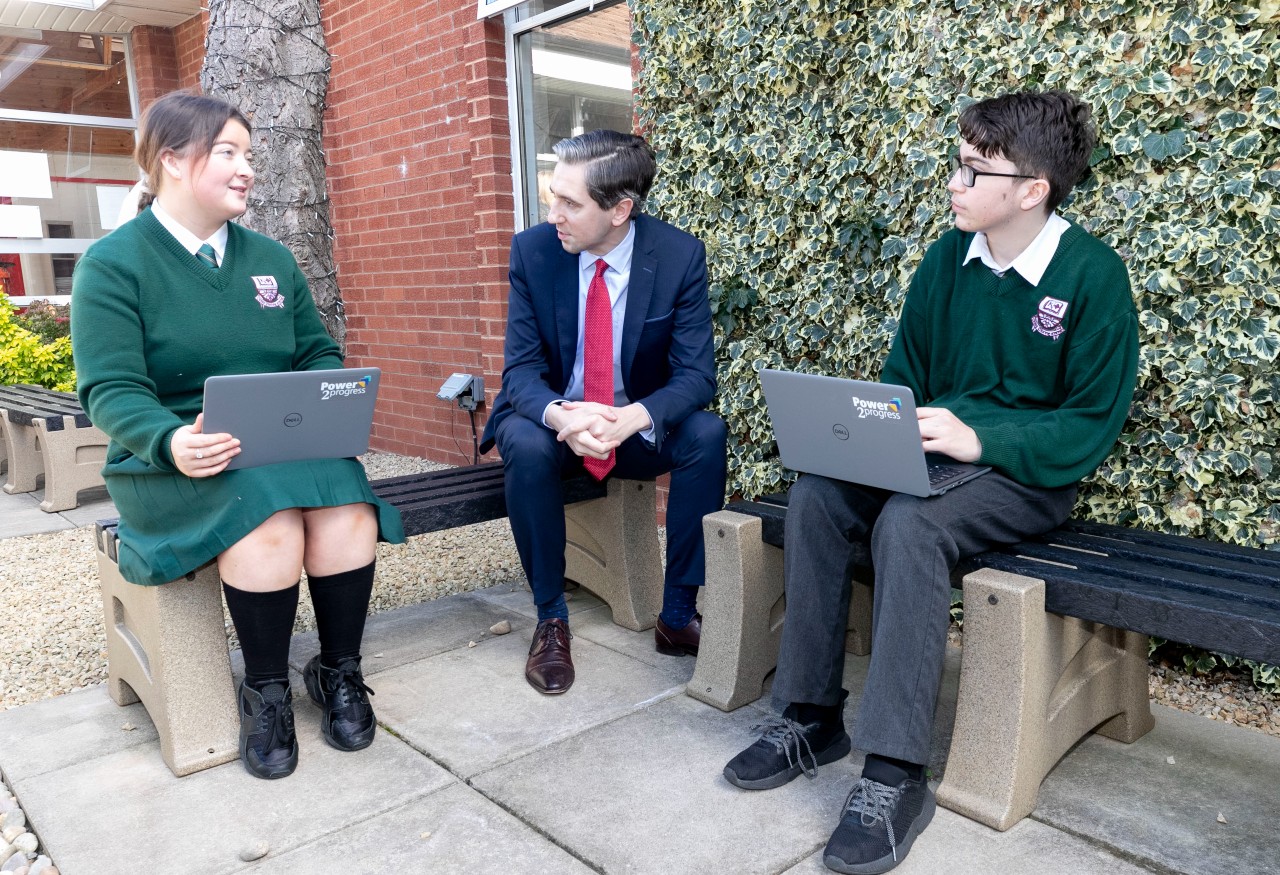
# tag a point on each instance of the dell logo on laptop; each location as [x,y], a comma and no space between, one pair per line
[293,419]
[840,431]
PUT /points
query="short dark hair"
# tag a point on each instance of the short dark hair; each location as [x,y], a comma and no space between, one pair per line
[618,166]
[180,122]
[1047,134]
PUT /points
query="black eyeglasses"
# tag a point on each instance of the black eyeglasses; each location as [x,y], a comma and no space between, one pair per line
[968,176]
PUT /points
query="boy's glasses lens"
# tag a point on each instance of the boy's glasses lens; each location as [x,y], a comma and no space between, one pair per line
[967,176]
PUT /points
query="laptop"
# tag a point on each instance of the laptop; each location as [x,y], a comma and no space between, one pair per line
[294,415]
[856,431]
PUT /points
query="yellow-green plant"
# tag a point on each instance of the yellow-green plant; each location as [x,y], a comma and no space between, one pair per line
[25,358]
[806,143]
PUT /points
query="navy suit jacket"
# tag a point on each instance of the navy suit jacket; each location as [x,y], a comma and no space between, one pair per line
[668,363]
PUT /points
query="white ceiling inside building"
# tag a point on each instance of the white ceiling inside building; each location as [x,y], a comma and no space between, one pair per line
[113,16]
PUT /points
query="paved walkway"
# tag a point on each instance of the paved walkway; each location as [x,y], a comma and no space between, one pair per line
[475,772]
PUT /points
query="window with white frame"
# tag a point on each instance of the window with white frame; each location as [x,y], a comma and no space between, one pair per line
[67,117]
[570,65]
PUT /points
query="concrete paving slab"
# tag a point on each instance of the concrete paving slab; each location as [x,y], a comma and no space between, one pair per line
[21,515]
[516,597]
[959,846]
[471,708]
[646,793]
[454,830]
[1130,797]
[56,733]
[125,812]
[420,631]
[597,625]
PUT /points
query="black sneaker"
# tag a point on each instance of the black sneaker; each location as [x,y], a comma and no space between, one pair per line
[347,722]
[268,746]
[787,749]
[879,825]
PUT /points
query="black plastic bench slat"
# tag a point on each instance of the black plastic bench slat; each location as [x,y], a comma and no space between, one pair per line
[1220,568]
[1212,624]
[1180,543]
[27,403]
[1122,572]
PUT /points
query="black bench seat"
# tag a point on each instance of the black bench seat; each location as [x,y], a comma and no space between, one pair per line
[48,433]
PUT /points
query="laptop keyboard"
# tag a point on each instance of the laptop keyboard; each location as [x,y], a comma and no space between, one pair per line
[938,472]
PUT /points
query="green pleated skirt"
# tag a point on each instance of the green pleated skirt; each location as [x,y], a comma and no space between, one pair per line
[171,524]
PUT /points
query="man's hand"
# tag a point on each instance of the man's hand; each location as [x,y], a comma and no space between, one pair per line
[197,454]
[592,429]
[942,432]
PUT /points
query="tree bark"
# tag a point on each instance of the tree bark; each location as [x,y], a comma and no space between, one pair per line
[268,58]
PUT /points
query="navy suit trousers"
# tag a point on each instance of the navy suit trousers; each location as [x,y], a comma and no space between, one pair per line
[535,462]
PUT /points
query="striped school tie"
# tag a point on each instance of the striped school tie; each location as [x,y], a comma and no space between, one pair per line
[206,254]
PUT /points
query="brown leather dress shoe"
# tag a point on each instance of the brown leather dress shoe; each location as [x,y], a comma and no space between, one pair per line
[550,667]
[678,642]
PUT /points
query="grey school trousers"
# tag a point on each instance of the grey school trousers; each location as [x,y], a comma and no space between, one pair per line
[914,543]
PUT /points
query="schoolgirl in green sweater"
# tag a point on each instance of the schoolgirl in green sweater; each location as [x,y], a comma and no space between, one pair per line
[163,302]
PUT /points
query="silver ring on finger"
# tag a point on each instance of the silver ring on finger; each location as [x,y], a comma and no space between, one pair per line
[199,454]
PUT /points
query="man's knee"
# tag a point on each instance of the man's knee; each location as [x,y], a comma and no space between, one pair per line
[702,435]
[524,443]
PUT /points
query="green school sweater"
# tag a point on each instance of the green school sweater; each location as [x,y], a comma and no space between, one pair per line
[1044,374]
[149,322]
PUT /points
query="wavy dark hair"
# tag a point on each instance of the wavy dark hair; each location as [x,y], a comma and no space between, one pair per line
[618,166]
[1047,134]
[179,122]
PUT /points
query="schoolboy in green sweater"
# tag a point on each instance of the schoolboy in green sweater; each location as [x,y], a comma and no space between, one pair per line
[1019,338]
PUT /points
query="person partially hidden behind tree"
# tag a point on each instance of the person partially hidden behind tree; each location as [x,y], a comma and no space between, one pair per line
[1019,335]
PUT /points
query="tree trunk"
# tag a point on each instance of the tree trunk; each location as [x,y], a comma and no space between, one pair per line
[270,61]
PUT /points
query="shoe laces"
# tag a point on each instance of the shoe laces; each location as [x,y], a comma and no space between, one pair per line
[784,733]
[874,801]
[349,687]
[275,720]
[552,634]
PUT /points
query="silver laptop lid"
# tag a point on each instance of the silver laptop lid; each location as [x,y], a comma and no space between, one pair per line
[295,415]
[853,430]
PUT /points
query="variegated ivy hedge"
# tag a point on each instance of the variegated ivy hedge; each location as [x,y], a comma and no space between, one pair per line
[805,142]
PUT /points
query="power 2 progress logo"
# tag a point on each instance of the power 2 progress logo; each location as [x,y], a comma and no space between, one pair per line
[343,390]
[891,409]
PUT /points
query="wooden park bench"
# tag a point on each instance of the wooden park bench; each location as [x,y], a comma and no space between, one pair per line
[1055,637]
[167,645]
[47,432]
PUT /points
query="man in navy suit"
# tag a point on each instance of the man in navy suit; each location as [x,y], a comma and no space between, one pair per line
[657,318]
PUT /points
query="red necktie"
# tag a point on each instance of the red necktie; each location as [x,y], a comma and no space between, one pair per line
[597,357]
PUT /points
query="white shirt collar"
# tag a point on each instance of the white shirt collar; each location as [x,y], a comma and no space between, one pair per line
[618,258]
[189,241]
[1033,261]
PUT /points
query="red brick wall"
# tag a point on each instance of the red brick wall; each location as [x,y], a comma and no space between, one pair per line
[155,62]
[188,39]
[418,144]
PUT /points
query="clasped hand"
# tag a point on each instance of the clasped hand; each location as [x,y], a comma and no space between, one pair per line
[594,430]
[197,454]
[941,431]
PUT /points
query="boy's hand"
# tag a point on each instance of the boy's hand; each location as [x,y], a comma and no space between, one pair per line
[942,432]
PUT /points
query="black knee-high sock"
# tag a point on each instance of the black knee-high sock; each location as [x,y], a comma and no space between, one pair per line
[341,602]
[264,624]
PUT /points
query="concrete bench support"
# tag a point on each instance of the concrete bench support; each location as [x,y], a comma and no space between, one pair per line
[742,611]
[73,459]
[612,549]
[25,464]
[167,646]
[1032,684]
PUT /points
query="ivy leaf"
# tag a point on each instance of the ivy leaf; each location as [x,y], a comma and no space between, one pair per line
[1159,146]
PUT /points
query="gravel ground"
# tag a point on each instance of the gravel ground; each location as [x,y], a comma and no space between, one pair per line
[51,610]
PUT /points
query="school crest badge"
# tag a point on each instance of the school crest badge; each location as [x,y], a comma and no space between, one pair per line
[268,292]
[1050,319]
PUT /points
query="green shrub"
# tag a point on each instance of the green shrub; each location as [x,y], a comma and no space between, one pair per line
[805,142]
[46,321]
[25,358]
